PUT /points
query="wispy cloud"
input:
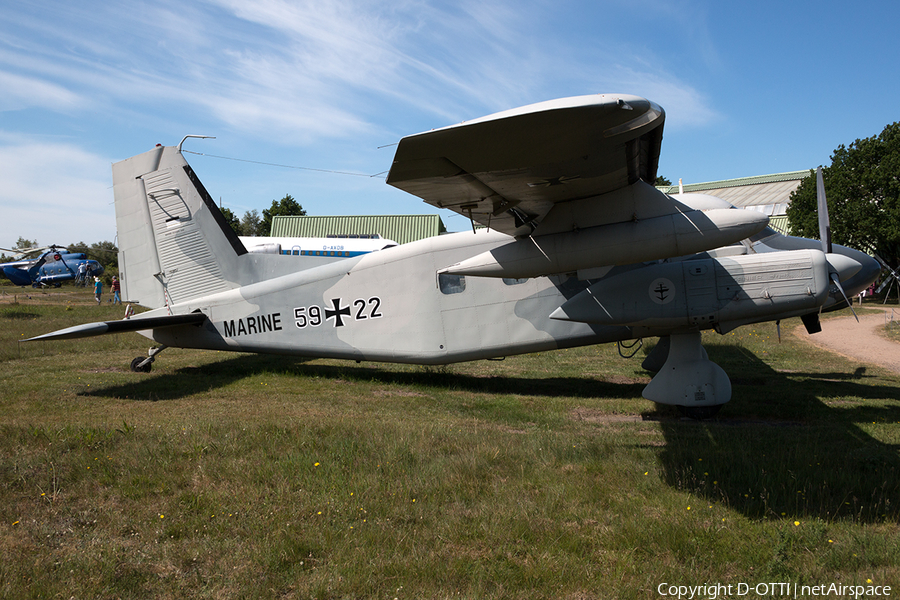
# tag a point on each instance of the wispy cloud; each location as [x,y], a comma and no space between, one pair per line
[300,71]
[20,92]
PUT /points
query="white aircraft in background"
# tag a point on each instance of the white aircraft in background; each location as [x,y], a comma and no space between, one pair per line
[577,249]
[334,246]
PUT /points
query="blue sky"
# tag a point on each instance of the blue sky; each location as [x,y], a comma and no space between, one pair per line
[748,89]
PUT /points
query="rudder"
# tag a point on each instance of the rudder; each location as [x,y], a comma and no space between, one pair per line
[174,244]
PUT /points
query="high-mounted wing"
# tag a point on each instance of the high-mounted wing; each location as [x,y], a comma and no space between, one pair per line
[507,170]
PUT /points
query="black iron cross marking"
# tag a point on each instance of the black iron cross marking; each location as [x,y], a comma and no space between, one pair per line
[337,312]
[661,291]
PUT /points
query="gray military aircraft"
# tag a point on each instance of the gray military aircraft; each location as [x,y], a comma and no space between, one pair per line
[576,248]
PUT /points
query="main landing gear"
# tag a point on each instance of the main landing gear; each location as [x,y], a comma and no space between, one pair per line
[686,377]
[143,365]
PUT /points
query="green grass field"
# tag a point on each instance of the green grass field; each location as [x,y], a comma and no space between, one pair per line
[221,475]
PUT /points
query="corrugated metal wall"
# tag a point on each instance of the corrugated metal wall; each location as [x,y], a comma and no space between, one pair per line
[400,228]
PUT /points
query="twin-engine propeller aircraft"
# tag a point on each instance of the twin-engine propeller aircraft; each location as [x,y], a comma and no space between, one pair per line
[53,266]
[576,249]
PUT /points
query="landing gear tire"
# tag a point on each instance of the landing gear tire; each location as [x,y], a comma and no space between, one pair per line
[136,365]
[699,412]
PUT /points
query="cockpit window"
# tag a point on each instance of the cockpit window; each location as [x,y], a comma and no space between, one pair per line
[451,284]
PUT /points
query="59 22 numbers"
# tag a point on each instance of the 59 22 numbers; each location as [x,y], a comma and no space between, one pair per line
[360,310]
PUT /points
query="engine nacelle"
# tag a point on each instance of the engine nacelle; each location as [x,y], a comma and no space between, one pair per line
[704,293]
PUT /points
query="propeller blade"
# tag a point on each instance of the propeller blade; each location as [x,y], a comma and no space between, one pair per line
[836,280]
[824,221]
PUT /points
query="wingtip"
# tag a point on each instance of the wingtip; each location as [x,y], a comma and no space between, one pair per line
[78,331]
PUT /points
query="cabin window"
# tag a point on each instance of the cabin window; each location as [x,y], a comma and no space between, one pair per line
[451,284]
[508,281]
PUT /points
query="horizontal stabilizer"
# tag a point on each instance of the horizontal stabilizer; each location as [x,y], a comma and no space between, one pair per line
[123,326]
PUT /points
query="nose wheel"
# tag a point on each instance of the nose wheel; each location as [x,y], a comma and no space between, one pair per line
[143,365]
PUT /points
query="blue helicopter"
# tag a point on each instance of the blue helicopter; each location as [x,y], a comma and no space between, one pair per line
[54,266]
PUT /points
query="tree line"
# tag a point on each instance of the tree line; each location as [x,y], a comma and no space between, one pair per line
[252,224]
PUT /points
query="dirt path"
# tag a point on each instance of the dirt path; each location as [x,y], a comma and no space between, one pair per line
[858,341]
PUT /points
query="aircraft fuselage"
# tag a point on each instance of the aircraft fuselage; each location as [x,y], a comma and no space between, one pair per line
[355,310]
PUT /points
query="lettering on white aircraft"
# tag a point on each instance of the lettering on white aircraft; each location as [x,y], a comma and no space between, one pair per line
[252,325]
[360,309]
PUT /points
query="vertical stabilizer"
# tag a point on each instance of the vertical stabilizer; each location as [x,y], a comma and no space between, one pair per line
[174,244]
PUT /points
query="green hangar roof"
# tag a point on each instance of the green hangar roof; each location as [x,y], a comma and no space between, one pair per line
[399,228]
